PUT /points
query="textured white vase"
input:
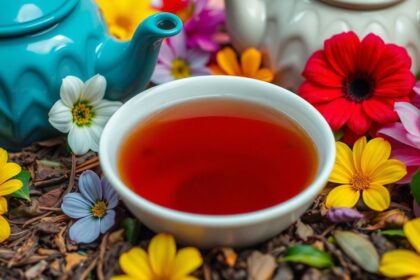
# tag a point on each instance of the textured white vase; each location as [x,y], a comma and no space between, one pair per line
[289,31]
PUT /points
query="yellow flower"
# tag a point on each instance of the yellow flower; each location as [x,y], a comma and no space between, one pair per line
[249,66]
[123,16]
[404,263]
[8,170]
[162,263]
[364,172]
[4,225]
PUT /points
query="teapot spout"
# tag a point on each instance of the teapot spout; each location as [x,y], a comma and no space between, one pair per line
[128,66]
[246,22]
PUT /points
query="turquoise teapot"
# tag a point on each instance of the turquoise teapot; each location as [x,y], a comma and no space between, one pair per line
[43,41]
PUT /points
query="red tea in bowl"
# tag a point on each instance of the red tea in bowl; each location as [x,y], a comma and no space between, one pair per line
[217,156]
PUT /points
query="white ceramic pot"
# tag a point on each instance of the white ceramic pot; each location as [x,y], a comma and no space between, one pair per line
[228,230]
[289,31]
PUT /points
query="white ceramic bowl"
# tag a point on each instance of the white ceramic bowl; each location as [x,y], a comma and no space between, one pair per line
[208,231]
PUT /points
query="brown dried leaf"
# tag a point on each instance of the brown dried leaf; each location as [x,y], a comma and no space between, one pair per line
[55,267]
[260,266]
[50,198]
[394,218]
[72,260]
[46,252]
[59,241]
[47,227]
[230,256]
[36,270]
[24,211]
[115,237]
[303,231]
[25,250]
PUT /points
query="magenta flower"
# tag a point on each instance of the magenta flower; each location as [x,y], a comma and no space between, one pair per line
[93,207]
[343,215]
[175,61]
[203,28]
[405,137]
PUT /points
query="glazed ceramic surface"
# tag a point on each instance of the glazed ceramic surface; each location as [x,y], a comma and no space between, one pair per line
[289,31]
[225,230]
[42,41]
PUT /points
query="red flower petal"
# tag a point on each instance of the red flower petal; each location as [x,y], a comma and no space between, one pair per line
[317,94]
[392,60]
[369,53]
[399,84]
[318,70]
[350,136]
[336,112]
[359,122]
[340,50]
[380,110]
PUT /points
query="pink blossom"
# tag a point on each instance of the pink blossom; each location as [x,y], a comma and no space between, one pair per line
[405,135]
[203,28]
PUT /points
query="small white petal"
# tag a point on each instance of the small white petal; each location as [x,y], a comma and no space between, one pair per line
[94,89]
[197,58]
[162,74]
[71,90]
[60,117]
[95,132]
[79,140]
[106,108]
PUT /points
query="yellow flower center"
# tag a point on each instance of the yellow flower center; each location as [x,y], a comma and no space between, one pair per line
[187,13]
[124,22]
[82,113]
[180,69]
[99,209]
[360,182]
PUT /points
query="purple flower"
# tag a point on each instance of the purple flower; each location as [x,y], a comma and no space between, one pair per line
[175,61]
[343,215]
[405,137]
[92,206]
[203,27]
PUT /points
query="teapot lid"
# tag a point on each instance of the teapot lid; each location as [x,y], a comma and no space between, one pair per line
[18,17]
[362,4]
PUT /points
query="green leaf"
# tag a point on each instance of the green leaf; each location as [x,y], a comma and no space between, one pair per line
[393,232]
[415,186]
[308,255]
[23,193]
[418,76]
[131,229]
[359,249]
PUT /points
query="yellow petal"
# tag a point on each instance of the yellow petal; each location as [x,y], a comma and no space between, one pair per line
[376,152]
[3,205]
[8,171]
[400,263]
[264,74]
[136,264]
[216,70]
[162,251]
[376,197]
[4,229]
[358,148]
[119,32]
[389,172]
[186,261]
[344,168]
[10,187]
[414,278]
[124,277]
[342,196]
[250,62]
[187,278]
[226,58]
[412,231]
[3,156]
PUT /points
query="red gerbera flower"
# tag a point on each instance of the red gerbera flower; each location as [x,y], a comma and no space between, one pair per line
[356,83]
[172,6]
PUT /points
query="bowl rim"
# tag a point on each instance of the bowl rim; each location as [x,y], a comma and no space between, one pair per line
[230,220]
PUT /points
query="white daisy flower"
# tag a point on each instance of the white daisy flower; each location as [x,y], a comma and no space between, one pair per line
[82,112]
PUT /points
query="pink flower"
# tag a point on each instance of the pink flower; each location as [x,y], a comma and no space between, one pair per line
[405,135]
[175,61]
[203,28]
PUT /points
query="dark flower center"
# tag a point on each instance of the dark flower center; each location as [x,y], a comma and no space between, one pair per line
[358,87]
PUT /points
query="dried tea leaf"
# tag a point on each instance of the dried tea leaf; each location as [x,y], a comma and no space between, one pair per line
[415,187]
[303,231]
[229,256]
[72,260]
[50,198]
[36,270]
[393,232]
[308,255]
[359,249]
[260,266]
[23,192]
[24,211]
[115,237]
